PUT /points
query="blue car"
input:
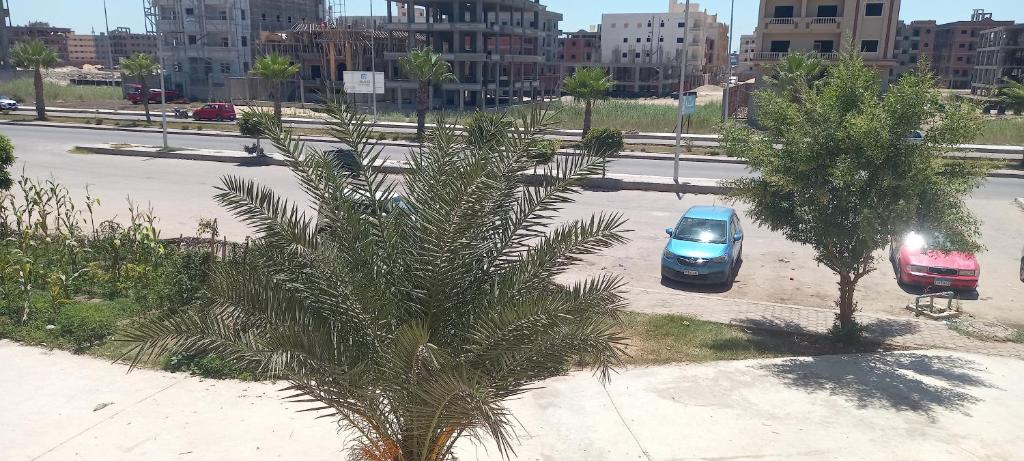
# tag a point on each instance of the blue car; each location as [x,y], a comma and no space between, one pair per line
[706,246]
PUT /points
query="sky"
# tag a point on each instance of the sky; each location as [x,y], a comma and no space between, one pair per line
[83,16]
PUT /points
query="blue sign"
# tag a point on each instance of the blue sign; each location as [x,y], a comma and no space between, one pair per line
[689,103]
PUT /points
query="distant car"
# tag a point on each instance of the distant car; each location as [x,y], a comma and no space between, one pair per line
[155,95]
[919,265]
[1022,266]
[7,103]
[706,246]
[218,111]
[916,136]
[346,160]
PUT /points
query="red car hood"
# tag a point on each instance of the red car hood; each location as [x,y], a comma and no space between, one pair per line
[954,260]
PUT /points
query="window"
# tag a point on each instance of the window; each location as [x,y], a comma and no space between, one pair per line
[926,45]
[637,54]
[648,23]
[780,46]
[648,39]
[828,11]
[224,42]
[245,41]
[613,25]
[917,32]
[625,55]
[289,19]
[225,68]
[638,39]
[869,46]
[625,39]
[263,16]
[625,25]
[192,40]
[963,32]
[915,45]
[243,15]
[784,11]
[190,11]
[681,25]
[963,45]
[679,39]
[873,9]
[662,23]
[959,59]
[245,67]
[572,56]
[661,39]
[824,46]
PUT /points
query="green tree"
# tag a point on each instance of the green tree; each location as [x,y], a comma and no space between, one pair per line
[276,69]
[837,172]
[605,142]
[35,55]
[1012,96]
[6,160]
[411,324]
[588,84]
[252,123]
[428,68]
[794,74]
[140,67]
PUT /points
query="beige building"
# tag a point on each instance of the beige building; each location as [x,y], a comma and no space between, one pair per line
[827,27]
[745,64]
[82,50]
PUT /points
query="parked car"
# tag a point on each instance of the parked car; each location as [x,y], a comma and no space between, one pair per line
[7,103]
[918,264]
[218,111]
[135,95]
[706,246]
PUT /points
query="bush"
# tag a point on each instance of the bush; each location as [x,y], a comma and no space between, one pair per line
[604,141]
[6,160]
[206,366]
[85,324]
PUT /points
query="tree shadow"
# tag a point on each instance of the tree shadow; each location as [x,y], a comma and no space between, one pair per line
[886,329]
[923,384]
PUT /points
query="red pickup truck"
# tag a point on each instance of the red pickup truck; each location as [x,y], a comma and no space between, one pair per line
[218,111]
[135,95]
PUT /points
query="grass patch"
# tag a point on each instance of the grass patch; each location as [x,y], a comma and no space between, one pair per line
[23,91]
[660,339]
[1018,337]
[1002,131]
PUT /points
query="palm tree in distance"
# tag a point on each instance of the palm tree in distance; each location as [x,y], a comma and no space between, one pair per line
[427,68]
[276,69]
[588,84]
[140,67]
[34,54]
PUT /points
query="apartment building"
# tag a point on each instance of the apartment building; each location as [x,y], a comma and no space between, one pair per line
[82,50]
[206,42]
[745,61]
[580,47]
[1000,58]
[914,41]
[956,47]
[501,51]
[122,43]
[825,28]
[644,51]
[54,37]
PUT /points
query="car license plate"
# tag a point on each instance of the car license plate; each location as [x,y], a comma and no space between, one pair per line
[943,282]
[691,273]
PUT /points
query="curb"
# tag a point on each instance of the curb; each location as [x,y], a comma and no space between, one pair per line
[612,182]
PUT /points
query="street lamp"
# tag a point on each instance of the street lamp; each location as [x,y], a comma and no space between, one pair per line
[728,62]
[682,91]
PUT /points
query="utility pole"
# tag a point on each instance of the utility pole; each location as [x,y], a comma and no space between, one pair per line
[682,90]
[728,62]
[163,89]
[110,52]
[373,61]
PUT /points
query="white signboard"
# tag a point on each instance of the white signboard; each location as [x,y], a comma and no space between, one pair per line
[363,82]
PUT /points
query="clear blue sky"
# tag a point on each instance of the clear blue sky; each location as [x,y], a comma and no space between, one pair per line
[84,15]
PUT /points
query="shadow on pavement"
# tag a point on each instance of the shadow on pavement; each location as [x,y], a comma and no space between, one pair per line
[920,383]
[886,329]
[704,288]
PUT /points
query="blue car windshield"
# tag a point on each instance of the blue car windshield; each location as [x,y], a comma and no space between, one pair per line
[700,230]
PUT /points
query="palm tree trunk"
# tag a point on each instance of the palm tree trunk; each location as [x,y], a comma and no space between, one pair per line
[145,98]
[588,115]
[422,99]
[40,102]
[277,102]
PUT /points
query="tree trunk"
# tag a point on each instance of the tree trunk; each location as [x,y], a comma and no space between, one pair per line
[847,288]
[422,98]
[40,102]
[277,102]
[145,98]
[588,115]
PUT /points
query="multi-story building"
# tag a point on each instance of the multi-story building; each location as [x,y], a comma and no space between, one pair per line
[745,64]
[123,43]
[825,28]
[580,47]
[1000,58]
[956,46]
[206,42]
[914,42]
[82,50]
[500,51]
[644,51]
[54,37]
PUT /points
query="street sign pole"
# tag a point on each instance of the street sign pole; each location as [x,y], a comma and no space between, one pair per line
[728,62]
[163,90]
[682,90]
[373,61]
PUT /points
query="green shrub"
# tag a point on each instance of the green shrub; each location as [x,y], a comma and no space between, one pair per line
[604,141]
[85,324]
[6,160]
[205,366]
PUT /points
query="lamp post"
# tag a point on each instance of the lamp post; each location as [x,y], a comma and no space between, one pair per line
[728,62]
[110,52]
[682,90]
[373,61]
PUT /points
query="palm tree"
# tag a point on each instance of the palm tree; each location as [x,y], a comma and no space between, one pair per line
[412,325]
[34,54]
[427,68]
[795,73]
[1012,96]
[140,67]
[588,84]
[276,69]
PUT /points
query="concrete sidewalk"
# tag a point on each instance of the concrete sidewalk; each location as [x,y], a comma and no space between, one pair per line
[907,406]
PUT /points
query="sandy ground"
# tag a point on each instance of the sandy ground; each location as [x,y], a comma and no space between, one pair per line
[908,406]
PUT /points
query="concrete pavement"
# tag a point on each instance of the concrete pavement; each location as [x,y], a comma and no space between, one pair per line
[908,405]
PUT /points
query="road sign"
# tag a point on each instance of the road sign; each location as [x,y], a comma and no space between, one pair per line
[689,102]
[358,82]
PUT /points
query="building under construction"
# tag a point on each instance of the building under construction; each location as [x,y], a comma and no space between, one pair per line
[5,40]
[501,51]
[205,43]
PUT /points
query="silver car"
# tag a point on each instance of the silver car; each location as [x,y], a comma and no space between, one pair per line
[7,103]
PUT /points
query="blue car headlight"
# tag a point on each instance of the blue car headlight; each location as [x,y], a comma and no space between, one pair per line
[668,254]
[720,259]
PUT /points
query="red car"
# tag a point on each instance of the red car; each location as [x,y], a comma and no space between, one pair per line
[135,95]
[917,265]
[218,111]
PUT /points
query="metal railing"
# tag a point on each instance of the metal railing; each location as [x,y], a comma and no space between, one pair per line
[776,56]
[825,20]
[773,21]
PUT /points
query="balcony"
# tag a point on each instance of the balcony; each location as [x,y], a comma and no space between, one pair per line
[778,56]
[779,24]
[824,24]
